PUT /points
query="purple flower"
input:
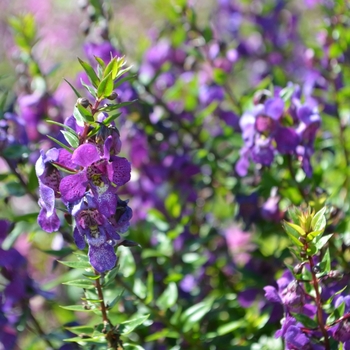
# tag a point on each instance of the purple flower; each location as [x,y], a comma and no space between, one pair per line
[290,293]
[99,233]
[341,332]
[104,50]
[49,179]
[101,173]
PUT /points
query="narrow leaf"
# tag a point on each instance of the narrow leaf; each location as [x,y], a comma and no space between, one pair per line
[60,143]
[90,72]
[73,88]
[81,283]
[75,264]
[105,88]
[128,326]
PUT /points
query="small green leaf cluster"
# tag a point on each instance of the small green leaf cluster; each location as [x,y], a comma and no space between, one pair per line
[306,231]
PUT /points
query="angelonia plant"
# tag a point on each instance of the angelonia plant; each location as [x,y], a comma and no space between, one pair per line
[82,179]
[194,198]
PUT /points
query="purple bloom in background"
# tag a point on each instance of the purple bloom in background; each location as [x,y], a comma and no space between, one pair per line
[17,289]
[264,133]
[239,244]
[104,50]
[341,332]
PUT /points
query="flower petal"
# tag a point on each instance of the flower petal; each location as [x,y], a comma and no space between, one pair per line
[102,258]
[85,155]
[119,171]
[73,187]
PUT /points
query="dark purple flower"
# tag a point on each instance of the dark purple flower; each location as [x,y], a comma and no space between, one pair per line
[99,233]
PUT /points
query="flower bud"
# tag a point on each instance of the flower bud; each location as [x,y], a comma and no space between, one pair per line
[335,274]
[260,96]
[83,101]
[298,268]
[112,96]
[293,296]
[316,269]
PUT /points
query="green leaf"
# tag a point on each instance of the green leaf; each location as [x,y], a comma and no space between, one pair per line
[105,88]
[306,321]
[89,88]
[59,253]
[173,205]
[115,301]
[325,264]
[321,241]
[81,114]
[100,62]
[164,333]
[168,297]
[81,283]
[60,143]
[76,264]
[311,249]
[126,262]
[195,313]
[150,282]
[110,277]
[121,81]
[110,108]
[16,152]
[329,301]
[128,326]
[336,314]
[230,327]
[72,139]
[98,339]
[73,88]
[318,222]
[112,68]
[81,329]
[81,308]
[68,128]
[292,234]
[90,73]
[294,214]
[296,228]
[128,346]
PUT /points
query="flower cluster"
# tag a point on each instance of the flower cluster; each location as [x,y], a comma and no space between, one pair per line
[275,127]
[87,175]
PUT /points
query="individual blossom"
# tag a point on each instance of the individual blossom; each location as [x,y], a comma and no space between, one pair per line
[49,179]
[101,236]
[100,172]
[341,332]
[290,293]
